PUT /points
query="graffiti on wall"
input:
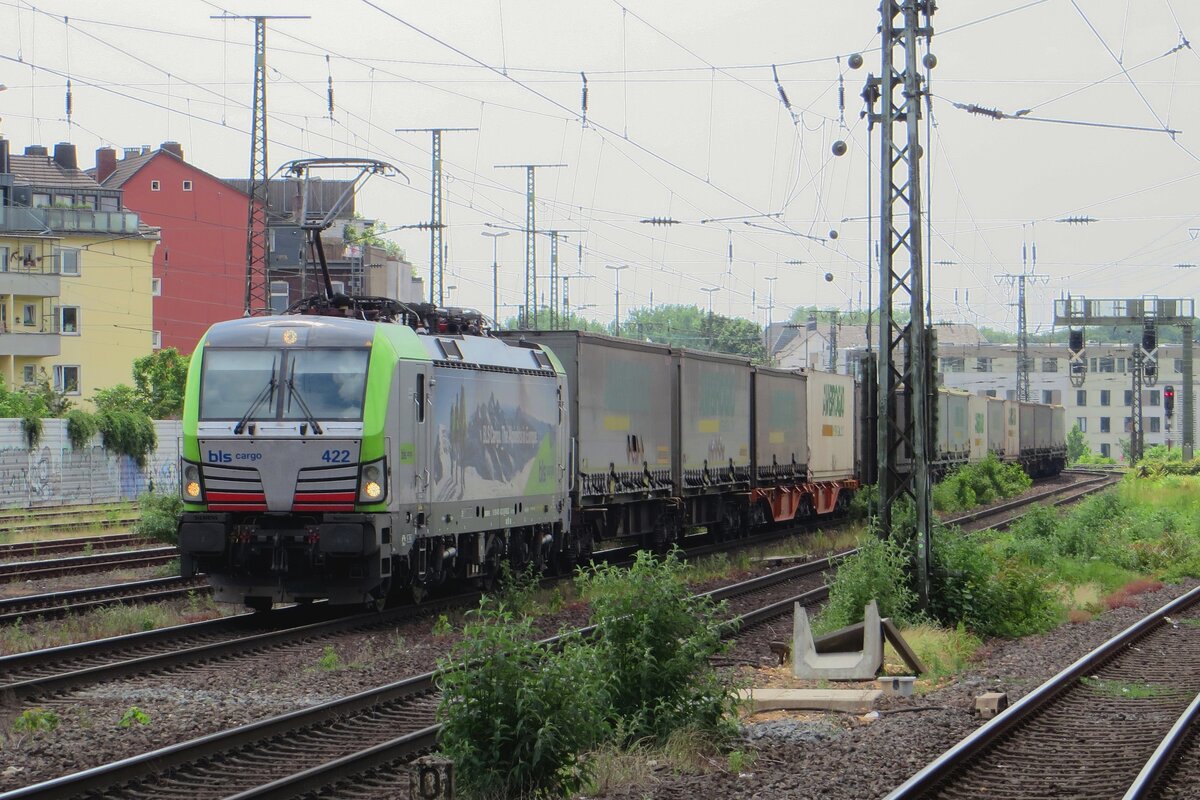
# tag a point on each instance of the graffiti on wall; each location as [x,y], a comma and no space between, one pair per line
[54,473]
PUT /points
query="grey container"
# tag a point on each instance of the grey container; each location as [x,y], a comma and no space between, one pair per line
[780,425]
[713,414]
[1028,431]
[1058,428]
[1043,427]
[995,425]
[618,393]
[953,419]
[831,423]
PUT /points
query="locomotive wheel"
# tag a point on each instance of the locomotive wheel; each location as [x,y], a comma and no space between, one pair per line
[259,605]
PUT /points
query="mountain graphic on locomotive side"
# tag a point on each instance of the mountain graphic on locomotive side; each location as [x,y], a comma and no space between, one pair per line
[355,448]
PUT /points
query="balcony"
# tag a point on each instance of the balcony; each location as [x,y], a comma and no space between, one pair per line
[72,220]
[34,282]
[66,220]
[29,344]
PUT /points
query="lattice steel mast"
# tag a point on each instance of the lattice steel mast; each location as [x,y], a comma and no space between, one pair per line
[437,252]
[257,299]
[904,367]
[530,308]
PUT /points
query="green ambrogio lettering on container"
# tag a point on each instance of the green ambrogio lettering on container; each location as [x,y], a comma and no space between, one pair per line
[620,381]
[979,426]
[716,393]
[408,453]
[834,403]
[783,409]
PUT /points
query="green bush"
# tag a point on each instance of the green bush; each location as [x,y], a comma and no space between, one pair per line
[864,501]
[653,642]
[877,572]
[516,715]
[81,427]
[970,585]
[977,484]
[127,432]
[31,426]
[160,515]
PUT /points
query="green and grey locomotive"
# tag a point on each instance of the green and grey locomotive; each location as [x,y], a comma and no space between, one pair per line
[348,457]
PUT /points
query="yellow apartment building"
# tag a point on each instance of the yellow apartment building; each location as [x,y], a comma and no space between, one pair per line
[76,272]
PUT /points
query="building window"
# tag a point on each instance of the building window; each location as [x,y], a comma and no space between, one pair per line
[1081,423]
[983,365]
[1121,365]
[66,379]
[109,204]
[1155,424]
[1106,424]
[279,297]
[1049,365]
[1129,397]
[29,315]
[1155,397]
[187,186]
[1107,364]
[1093,366]
[1105,397]
[29,374]
[68,319]
[66,261]
[1179,365]
[991,392]
[1081,397]
[953,364]
[1106,450]
[3,259]
[156,287]
[1128,424]
[1047,396]
[156,339]
[155,186]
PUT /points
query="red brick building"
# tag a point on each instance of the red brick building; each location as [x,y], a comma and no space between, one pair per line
[200,264]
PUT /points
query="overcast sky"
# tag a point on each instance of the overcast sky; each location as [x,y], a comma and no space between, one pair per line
[683,121]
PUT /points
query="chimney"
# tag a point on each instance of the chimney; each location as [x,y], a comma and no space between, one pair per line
[106,163]
[4,163]
[64,156]
[35,150]
[174,148]
[131,152]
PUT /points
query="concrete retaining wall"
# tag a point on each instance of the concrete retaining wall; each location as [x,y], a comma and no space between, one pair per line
[54,473]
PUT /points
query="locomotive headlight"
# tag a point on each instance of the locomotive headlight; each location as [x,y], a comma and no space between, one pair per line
[190,484]
[372,484]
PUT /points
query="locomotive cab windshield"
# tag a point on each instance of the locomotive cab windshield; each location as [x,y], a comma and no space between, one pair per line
[249,385]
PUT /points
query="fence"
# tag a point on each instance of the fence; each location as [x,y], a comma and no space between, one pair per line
[55,474]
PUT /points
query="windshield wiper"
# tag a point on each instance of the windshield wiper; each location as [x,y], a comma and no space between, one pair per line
[267,391]
[295,394]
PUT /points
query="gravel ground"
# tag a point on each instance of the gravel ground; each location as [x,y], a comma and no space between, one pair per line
[791,753]
[835,756]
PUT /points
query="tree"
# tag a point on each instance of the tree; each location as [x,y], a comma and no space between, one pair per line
[354,232]
[573,322]
[1077,446]
[159,382]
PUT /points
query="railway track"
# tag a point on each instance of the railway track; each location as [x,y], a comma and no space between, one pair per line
[64,668]
[45,547]
[67,518]
[13,571]
[55,605]
[396,720]
[340,746]
[1094,730]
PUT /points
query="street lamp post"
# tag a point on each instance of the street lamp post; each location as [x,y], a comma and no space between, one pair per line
[495,276]
[617,269]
